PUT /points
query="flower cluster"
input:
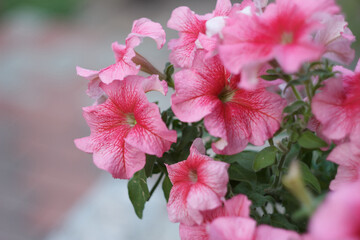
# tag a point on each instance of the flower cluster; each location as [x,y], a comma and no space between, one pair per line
[248,74]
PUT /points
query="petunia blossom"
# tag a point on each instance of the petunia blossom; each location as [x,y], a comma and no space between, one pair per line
[282,33]
[199,184]
[338,216]
[238,228]
[232,228]
[265,232]
[347,155]
[237,206]
[337,38]
[191,28]
[126,59]
[337,106]
[125,127]
[236,116]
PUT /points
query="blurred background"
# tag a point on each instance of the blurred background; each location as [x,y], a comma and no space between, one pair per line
[49,189]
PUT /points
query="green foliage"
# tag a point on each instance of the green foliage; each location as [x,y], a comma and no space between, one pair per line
[54,8]
[309,177]
[138,192]
[241,174]
[265,158]
[166,187]
[310,141]
[169,71]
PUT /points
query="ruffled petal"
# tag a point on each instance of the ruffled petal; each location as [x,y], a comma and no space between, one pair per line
[177,207]
[144,27]
[196,232]
[194,95]
[201,197]
[264,232]
[232,228]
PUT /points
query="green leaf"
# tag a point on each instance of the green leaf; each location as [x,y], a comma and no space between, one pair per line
[271,71]
[293,153]
[166,187]
[281,221]
[239,173]
[309,177]
[138,192]
[270,77]
[294,107]
[169,69]
[188,135]
[259,200]
[265,158]
[292,83]
[310,141]
[149,166]
[245,159]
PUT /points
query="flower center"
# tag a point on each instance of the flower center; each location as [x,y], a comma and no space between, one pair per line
[193,176]
[287,37]
[130,119]
[226,94]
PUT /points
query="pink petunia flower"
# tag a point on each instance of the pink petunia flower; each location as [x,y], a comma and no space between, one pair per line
[337,38]
[337,107]
[232,222]
[338,216]
[235,115]
[282,32]
[347,155]
[237,206]
[265,232]
[199,184]
[238,228]
[232,228]
[126,59]
[125,127]
[192,28]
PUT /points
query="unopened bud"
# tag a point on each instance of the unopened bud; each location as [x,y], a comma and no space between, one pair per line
[146,66]
[294,183]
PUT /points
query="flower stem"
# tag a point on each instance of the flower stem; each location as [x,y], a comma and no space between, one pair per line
[155,185]
[296,93]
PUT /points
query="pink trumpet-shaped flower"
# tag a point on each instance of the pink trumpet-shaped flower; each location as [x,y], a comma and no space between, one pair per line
[237,206]
[265,232]
[282,32]
[347,155]
[199,183]
[238,228]
[338,216]
[125,56]
[337,107]
[125,127]
[232,228]
[236,116]
[337,38]
[192,28]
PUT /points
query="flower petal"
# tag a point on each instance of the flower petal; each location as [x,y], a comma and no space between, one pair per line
[144,27]
[232,228]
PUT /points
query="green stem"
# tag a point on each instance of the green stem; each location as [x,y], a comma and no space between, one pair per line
[277,180]
[296,93]
[308,91]
[271,142]
[170,83]
[155,185]
[280,166]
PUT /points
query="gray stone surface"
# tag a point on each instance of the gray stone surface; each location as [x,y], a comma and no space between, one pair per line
[106,213]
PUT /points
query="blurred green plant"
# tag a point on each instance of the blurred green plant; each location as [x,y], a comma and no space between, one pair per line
[351,8]
[53,8]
